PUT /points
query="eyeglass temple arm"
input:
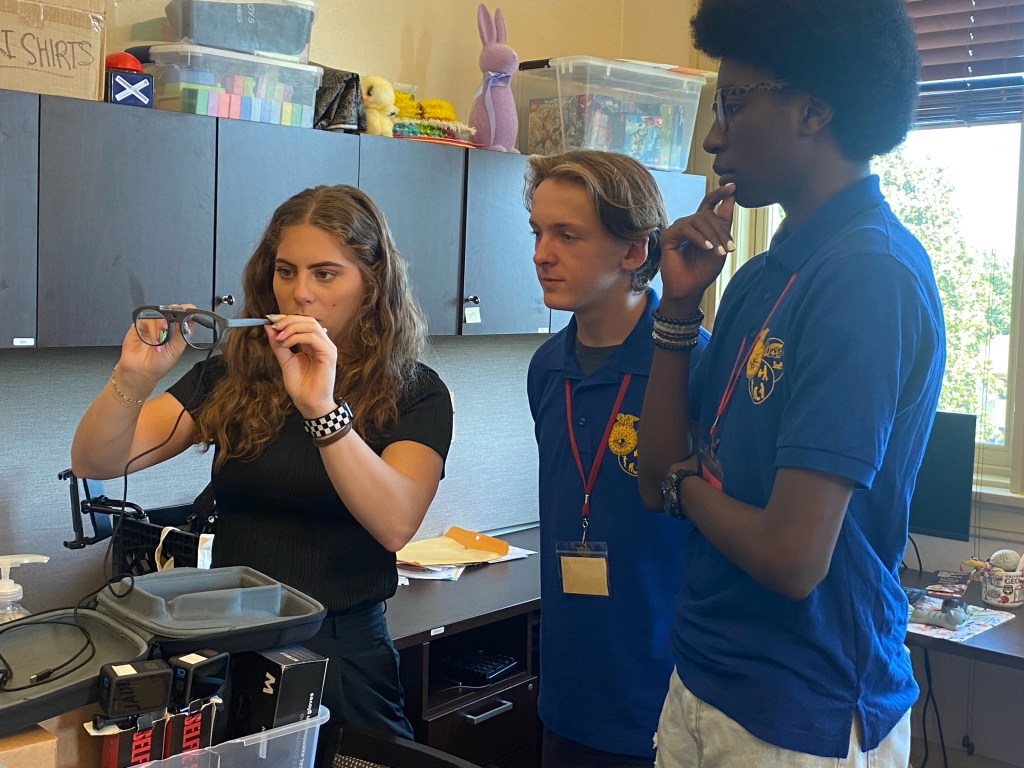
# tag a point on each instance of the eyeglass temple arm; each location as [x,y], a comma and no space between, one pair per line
[247,322]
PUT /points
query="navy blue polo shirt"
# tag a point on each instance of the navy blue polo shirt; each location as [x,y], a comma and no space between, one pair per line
[605,661]
[846,382]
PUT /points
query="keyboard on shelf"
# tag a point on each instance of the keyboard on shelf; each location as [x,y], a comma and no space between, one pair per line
[476,668]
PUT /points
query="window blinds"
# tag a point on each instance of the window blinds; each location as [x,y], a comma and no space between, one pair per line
[972,56]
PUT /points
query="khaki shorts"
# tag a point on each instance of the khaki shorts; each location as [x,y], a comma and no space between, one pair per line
[693,734]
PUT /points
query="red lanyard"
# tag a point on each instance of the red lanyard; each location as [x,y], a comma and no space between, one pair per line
[741,364]
[589,484]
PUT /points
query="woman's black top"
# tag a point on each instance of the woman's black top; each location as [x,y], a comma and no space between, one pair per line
[280,514]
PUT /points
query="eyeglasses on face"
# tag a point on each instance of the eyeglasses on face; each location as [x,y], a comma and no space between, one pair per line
[718,107]
[200,328]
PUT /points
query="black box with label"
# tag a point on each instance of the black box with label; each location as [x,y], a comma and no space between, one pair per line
[275,688]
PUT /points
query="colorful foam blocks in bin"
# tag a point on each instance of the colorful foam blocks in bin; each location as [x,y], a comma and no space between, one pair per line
[256,99]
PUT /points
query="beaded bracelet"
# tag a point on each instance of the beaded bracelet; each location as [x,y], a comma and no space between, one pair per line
[123,399]
[696,320]
[676,330]
[677,343]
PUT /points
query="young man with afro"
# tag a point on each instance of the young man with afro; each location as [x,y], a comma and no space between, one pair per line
[811,408]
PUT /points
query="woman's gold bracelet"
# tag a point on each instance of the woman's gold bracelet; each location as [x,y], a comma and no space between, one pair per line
[123,399]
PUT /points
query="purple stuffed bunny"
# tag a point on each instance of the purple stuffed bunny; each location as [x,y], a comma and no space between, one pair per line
[494,110]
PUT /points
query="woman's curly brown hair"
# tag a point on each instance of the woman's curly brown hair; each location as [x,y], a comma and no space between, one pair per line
[376,358]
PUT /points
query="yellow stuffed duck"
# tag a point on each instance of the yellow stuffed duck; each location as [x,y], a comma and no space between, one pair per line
[379,100]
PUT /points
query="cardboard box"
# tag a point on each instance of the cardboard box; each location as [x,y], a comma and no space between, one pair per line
[275,688]
[54,47]
[32,748]
[75,747]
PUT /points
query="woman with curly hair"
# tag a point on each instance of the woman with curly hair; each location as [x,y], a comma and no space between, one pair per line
[324,514]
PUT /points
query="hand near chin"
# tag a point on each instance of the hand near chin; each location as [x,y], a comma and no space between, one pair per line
[694,248]
[309,361]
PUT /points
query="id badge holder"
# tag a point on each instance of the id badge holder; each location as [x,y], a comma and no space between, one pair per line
[710,466]
[583,567]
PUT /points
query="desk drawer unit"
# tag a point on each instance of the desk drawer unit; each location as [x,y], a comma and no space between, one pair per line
[490,729]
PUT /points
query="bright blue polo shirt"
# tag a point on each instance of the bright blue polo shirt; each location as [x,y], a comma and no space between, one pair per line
[848,385]
[605,661]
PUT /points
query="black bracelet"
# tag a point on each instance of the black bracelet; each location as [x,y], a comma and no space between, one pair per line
[676,331]
[675,343]
[695,320]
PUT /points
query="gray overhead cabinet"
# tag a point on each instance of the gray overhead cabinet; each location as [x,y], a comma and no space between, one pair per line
[260,166]
[19,197]
[501,294]
[126,200]
[420,188]
[113,207]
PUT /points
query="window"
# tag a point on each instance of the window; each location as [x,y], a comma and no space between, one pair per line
[956,190]
[775,217]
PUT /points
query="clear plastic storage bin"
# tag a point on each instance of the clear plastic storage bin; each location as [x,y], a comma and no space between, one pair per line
[290,746]
[280,29]
[205,81]
[581,102]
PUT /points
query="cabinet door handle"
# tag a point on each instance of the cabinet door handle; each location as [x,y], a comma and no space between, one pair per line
[471,300]
[229,300]
[503,706]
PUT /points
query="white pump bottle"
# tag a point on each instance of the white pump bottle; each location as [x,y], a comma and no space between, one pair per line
[11,594]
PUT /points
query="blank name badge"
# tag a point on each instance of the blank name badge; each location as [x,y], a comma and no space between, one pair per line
[583,567]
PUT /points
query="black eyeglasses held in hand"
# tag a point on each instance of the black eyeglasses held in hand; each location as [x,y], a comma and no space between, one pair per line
[200,328]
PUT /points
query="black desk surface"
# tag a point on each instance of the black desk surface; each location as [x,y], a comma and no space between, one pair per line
[1002,645]
[488,593]
[484,594]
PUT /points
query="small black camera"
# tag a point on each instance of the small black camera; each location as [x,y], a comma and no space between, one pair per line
[134,688]
[198,676]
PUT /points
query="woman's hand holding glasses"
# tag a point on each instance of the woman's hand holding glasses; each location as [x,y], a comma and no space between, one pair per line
[309,361]
[144,363]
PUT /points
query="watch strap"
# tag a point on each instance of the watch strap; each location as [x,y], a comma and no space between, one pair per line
[670,492]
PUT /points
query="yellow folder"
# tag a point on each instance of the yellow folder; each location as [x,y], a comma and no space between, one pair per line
[457,547]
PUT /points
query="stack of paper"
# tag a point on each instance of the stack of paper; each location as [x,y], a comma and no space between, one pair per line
[432,572]
[445,558]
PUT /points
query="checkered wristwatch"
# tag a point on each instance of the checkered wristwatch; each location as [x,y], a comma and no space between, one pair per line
[332,427]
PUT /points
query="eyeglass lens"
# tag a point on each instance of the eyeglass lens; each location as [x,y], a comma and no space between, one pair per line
[200,331]
[152,327]
[718,110]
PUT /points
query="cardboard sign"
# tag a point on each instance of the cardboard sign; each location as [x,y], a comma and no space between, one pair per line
[188,731]
[53,47]
[124,748]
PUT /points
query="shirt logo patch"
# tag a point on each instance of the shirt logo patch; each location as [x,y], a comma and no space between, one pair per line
[623,442]
[764,367]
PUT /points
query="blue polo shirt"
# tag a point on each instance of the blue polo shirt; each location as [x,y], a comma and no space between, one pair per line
[847,384]
[605,661]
